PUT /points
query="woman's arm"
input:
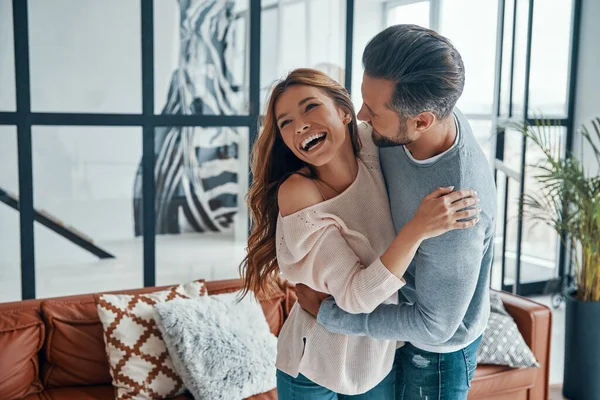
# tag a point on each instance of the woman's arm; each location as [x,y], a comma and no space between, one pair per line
[316,254]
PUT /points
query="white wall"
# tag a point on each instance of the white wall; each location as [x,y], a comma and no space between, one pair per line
[587,104]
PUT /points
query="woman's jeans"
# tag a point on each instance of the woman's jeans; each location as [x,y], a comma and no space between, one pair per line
[434,376]
[417,374]
[302,388]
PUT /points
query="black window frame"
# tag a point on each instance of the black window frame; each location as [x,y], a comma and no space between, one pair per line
[23,118]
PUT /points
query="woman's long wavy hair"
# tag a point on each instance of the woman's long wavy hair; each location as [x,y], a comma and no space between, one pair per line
[272,162]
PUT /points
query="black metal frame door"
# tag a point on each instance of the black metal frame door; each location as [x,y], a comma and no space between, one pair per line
[503,173]
[23,118]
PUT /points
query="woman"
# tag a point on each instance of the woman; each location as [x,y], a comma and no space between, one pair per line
[321,217]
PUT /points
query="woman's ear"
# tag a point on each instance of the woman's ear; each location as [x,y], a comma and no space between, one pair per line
[345,114]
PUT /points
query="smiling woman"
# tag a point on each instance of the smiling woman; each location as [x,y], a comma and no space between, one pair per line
[305,96]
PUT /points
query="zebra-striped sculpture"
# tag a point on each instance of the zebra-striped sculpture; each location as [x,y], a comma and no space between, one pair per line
[196,169]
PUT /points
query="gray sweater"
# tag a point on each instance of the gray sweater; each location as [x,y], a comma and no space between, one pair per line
[444,305]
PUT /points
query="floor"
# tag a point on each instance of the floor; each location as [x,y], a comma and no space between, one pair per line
[556,393]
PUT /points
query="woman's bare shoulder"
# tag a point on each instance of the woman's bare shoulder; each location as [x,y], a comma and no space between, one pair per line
[296,193]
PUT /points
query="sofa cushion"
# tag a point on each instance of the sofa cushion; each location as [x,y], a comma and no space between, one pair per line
[21,338]
[75,352]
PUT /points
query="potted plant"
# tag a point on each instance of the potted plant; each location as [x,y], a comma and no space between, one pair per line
[569,201]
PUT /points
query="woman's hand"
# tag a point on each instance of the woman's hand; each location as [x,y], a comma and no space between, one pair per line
[439,212]
[444,210]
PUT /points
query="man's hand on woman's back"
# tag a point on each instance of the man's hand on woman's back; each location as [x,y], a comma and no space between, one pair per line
[310,300]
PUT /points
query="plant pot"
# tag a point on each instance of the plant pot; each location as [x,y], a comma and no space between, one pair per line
[582,350]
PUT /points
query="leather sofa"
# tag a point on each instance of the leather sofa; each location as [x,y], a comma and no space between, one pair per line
[53,349]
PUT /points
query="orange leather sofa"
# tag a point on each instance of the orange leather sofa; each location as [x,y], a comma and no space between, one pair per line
[53,349]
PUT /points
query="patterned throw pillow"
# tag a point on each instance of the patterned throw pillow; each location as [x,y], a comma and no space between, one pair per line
[140,365]
[502,343]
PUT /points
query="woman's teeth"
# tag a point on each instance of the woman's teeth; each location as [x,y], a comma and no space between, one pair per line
[306,142]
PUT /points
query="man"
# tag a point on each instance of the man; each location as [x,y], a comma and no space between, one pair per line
[413,78]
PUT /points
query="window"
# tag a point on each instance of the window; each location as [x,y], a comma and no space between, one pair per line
[96,137]
[478,51]
[84,180]
[549,58]
[92,144]
[85,56]
[201,214]
[10,244]
[373,19]
[7,58]
[300,34]
[526,96]
[416,13]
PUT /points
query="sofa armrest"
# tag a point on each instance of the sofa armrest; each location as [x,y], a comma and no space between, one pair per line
[534,321]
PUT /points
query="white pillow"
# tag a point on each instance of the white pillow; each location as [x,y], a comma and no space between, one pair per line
[222,349]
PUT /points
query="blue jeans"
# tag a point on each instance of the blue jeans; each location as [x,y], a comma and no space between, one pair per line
[302,388]
[434,376]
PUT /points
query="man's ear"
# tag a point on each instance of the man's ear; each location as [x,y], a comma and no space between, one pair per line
[424,121]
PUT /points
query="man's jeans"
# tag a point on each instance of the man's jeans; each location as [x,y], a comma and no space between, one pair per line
[302,388]
[434,376]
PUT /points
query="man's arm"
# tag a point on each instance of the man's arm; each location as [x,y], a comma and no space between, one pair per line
[447,272]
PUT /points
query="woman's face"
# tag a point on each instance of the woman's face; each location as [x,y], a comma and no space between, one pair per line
[311,124]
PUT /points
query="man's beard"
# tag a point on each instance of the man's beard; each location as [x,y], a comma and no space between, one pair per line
[401,138]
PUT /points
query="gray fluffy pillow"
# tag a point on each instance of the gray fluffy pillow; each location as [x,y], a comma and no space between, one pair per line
[502,343]
[221,349]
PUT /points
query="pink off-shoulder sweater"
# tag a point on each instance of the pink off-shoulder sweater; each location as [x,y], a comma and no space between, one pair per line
[334,247]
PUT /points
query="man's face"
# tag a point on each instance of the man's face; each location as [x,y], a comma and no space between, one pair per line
[388,129]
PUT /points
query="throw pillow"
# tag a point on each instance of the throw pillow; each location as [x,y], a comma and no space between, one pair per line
[140,365]
[222,349]
[502,343]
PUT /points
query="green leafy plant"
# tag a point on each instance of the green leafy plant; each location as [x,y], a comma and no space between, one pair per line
[569,201]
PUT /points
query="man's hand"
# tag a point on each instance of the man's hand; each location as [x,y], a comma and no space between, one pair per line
[310,300]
